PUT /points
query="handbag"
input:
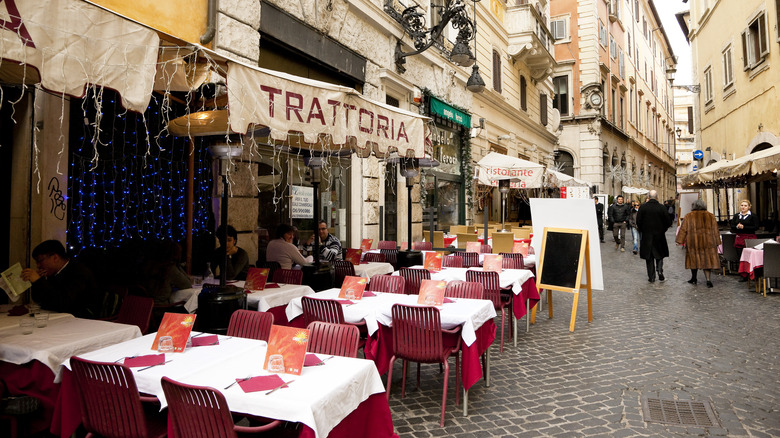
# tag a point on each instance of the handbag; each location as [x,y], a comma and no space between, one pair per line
[739,240]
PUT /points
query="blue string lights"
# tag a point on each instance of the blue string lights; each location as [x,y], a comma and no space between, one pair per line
[128,177]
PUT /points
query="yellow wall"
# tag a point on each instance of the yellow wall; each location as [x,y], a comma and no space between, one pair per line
[185,19]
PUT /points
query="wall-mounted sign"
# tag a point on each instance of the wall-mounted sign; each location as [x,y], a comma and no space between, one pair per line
[695,168]
[302,202]
[698,154]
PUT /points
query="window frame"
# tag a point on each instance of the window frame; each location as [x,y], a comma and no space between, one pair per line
[708,90]
[603,35]
[497,71]
[555,28]
[727,62]
[755,42]
[557,100]
[523,93]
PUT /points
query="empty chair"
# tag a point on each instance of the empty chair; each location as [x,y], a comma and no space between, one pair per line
[387,244]
[464,289]
[418,337]
[470,259]
[342,269]
[110,402]
[516,256]
[466,237]
[485,249]
[288,276]
[422,246]
[335,339]
[492,291]
[455,229]
[272,267]
[250,324]
[315,309]
[503,242]
[137,311]
[730,256]
[373,257]
[438,239]
[510,263]
[751,243]
[198,411]
[391,255]
[413,278]
[394,284]
[521,233]
[771,263]
[452,262]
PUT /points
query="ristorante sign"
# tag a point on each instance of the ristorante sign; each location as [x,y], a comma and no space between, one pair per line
[323,114]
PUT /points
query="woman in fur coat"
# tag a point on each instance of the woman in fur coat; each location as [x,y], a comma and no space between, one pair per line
[699,233]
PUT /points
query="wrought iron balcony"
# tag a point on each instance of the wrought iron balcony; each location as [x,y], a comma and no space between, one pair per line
[530,41]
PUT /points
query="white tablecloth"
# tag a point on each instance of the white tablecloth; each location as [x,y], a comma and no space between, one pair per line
[513,278]
[470,314]
[321,397]
[368,270]
[62,338]
[10,322]
[273,297]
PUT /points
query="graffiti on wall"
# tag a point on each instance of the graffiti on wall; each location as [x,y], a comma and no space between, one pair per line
[57,199]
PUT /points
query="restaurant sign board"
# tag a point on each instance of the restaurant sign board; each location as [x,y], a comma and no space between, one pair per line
[302,204]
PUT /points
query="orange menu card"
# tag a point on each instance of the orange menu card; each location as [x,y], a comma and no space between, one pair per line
[353,256]
[286,350]
[433,261]
[256,278]
[474,247]
[431,292]
[521,247]
[365,245]
[493,262]
[353,287]
[178,326]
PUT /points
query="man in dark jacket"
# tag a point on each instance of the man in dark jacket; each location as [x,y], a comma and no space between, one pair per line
[653,221]
[599,218]
[618,215]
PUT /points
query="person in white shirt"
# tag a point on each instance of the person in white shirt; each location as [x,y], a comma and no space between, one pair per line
[281,249]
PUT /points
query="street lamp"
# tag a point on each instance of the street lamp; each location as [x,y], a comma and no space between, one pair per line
[224,152]
[503,188]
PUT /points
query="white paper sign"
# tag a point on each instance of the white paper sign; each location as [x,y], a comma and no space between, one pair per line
[302,204]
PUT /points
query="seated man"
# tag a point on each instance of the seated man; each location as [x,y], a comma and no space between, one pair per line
[61,284]
[238,259]
[330,246]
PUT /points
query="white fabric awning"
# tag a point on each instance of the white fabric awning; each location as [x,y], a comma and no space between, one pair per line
[634,190]
[563,180]
[70,44]
[522,174]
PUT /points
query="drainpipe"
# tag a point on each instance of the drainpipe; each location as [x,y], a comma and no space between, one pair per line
[211,25]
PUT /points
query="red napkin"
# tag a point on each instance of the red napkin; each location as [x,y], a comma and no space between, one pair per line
[447,300]
[144,361]
[271,285]
[260,383]
[311,360]
[344,302]
[368,293]
[205,340]
[18,311]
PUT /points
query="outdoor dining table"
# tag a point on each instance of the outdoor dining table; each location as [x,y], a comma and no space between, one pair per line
[751,260]
[475,317]
[30,364]
[343,397]
[370,269]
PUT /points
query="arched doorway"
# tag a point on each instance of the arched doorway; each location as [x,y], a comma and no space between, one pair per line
[565,162]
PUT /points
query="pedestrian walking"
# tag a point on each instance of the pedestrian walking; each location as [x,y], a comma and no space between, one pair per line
[618,215]
[652,220]
[600,218]
[699,233]
[632,224]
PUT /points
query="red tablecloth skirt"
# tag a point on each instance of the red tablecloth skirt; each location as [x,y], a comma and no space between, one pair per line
[745,269]
[379,348]
[280,317]
[34,379]
[528,292]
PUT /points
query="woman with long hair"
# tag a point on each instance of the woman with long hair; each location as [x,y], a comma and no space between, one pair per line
[699,234]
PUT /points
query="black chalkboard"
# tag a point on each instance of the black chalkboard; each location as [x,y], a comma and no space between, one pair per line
[561,259]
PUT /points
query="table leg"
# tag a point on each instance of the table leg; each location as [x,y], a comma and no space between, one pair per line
[527,320]
[465,402]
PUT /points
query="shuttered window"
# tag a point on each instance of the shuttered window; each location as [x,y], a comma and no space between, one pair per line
[543,109]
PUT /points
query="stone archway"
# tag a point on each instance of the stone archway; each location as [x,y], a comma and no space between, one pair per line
[565,161]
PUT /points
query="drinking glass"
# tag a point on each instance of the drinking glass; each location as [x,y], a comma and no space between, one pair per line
[165,344]
[349,294]
[34,309]
[41,319]
[26,324]
[276,363]
[430,300]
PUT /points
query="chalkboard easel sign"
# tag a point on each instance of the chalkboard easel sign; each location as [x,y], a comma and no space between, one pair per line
[561,262]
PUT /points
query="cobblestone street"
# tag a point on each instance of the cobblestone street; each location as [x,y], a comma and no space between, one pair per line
[659,340]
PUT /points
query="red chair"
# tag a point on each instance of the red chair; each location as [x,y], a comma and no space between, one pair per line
[422,246]
[315,309]
[508,263]
[136,311]
[418,337]
[464,289]
[374,257]
[342,269]
[198,411]
[452,262]
[492,292]
[387,244]
[335,339]
[250,324]
[394,284]
[413,278]
[485,249]
[288,276]
[110,402]
[470,259]
[391,255]
[516,256]
[272,267]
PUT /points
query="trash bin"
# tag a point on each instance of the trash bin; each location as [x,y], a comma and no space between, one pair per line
[216,305]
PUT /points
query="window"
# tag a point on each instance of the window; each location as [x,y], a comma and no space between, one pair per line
[629,45]
[631,105]
[602,34]
[636,10]
[612,48]
[614,107]
[708,85]
[561,98]
[644,28]
[690,120]
[621,63]
[558,29]
[755,44]
[496,71]
[543,109]
[728,69]
[652,80]
[523,93]
[622,116]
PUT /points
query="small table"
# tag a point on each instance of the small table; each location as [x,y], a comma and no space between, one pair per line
[751,260]
[370,269]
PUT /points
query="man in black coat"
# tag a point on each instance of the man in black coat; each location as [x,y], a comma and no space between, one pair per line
[618,215]
[600,218]
[653,221]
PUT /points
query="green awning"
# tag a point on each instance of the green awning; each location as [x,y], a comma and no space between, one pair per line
[445,111]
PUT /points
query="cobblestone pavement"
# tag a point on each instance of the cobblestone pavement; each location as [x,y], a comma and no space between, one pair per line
[660,340]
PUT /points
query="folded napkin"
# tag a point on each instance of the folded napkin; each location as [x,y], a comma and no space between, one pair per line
[144,361]
[368,293]
[271,285]
[205,340]
[18,311]
[260,383]
[344,302]
[311,360]
[447,300]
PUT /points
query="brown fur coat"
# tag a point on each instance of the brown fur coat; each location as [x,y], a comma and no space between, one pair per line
[699,233]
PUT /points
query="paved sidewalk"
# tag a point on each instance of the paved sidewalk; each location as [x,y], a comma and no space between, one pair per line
[661,340]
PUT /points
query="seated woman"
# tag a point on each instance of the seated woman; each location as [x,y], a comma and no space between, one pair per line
[237,258]
[281,249]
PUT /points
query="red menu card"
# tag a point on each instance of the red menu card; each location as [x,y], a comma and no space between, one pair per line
[474,247]
[256,278]
[433,261]
[353,256]
[286,350]
[353,287]
[178,326]
[431,292]
[365,245]
[493,262]
[521,247]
